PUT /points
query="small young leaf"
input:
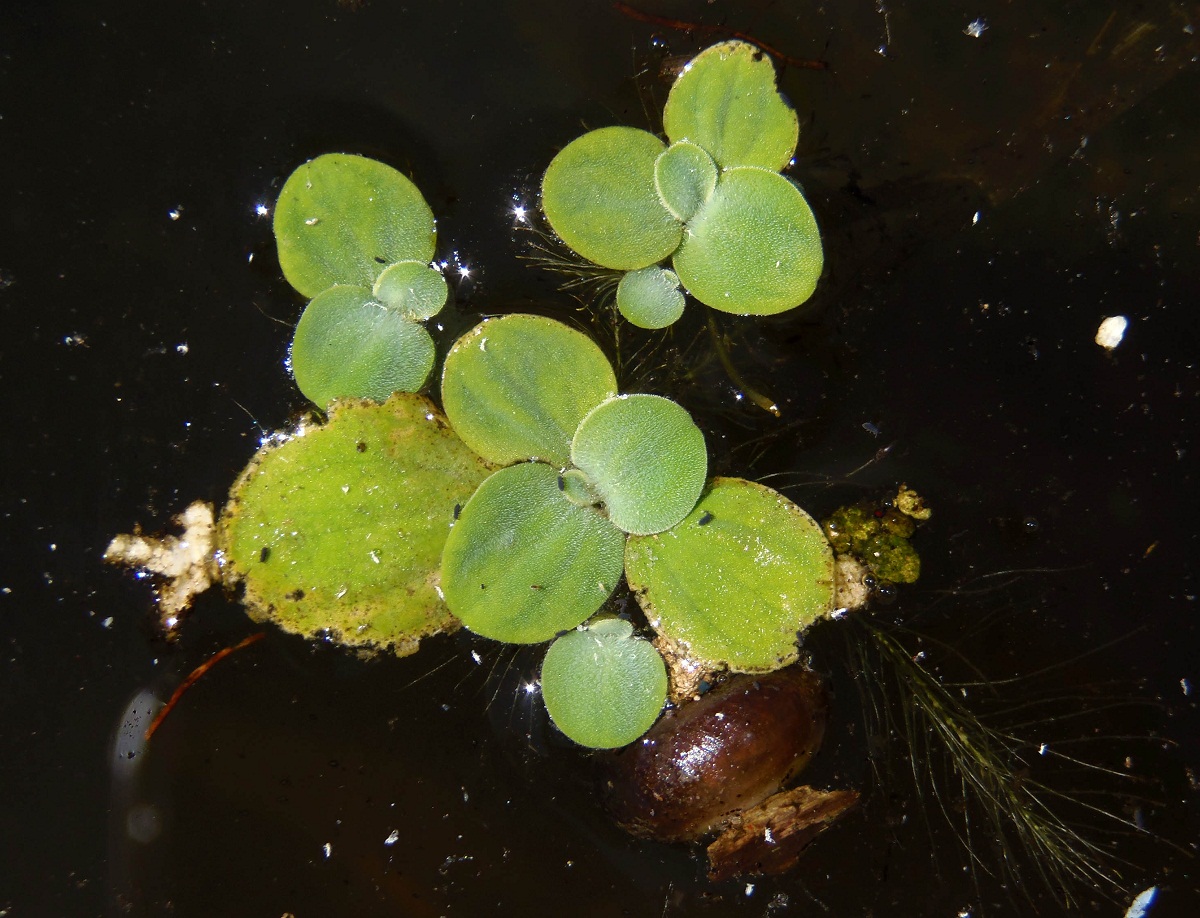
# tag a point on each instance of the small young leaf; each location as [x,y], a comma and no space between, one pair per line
[523,563]
[725,100]
[413,289]
[736,580]
[342,219]
[645,457]
[517,387]
[650,298]
[753,248]
[603,687]
[685,176]
[317,548]
[348,345]
[599,196]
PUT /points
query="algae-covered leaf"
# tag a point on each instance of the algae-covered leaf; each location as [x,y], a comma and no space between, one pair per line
[645,457]
[602,686]
[725,101]
[342,219]
[753,248]
[599,196]
[413,289]
[523,562]
[516,387]
[339,530]
[685,176]
[737,579]
[349,345]
[650,297]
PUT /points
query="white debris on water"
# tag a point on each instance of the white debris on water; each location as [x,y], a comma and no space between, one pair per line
[1140,907]
[1111,331]
[975,28]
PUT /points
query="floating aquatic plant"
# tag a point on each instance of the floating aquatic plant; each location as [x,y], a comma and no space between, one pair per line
[603,687]
[339,529]
[357,237]
[740,236]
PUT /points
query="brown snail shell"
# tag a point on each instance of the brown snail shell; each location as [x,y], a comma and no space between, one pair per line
[715,757]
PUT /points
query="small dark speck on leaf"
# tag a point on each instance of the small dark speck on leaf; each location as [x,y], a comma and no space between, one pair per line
[264,554]
[361,447]
[295,595]
[705,519]
[381,260]
[562,485]
[457,510]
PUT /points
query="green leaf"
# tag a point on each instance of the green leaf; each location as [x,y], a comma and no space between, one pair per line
[347,345]
[517,387]
[736,581]
[523,563]
[413,289]
[685,176]
[603,687]
[650,298]
[753,248]
[599,196]
[725,100]
[645,457]
[339,529]
[342,219]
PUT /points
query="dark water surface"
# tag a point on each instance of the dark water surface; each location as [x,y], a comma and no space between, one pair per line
[985,201]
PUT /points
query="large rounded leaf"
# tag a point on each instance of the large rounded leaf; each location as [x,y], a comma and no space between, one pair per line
[599,196]
[339,530]
[726,102]
[736,581]
[342,219]
[348,345]
[602,686]
[516,387]
[523,563]
[646,459]
[753,248]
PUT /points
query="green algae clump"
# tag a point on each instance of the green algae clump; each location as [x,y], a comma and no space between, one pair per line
[878,534]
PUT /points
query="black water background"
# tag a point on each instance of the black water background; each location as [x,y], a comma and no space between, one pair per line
[143,353]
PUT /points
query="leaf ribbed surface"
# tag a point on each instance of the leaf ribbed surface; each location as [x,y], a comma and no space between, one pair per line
[645,457]
[603,687]
[726,102]
[523,563]
[348,345]
[753,248]
[736,580]
[341,219]
[599,196]
[516,387]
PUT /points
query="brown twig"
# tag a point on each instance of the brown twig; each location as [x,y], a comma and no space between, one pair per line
[194,676]
[684,26]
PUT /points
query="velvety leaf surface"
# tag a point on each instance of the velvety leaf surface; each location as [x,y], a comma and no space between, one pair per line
[726,102]
[650,297]
[599,196]
[685,176]
[413,289]
[523,563]
[645,457]
[339,530]
[341,219]
[348,345]
[737,580]
[517,387]
[753,248]
[602,686]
